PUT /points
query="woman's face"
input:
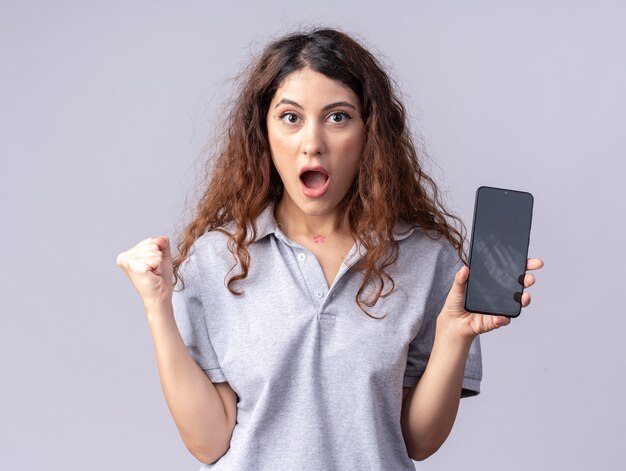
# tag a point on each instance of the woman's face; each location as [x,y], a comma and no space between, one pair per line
[316,136]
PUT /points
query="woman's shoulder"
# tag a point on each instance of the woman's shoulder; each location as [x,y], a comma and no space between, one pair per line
[211,246]
[427,246]
[426,260]
[213,237]
[415,234]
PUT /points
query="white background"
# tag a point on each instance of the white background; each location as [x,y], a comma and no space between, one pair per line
[105,107]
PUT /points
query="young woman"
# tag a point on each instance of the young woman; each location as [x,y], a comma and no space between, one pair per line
[321,322]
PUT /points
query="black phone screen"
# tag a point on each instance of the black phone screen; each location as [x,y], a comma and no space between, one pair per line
[498,251]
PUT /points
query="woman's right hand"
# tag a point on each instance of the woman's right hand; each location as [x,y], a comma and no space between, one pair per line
[149,267]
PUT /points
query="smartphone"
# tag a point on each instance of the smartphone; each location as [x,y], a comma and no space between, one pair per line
[498,251]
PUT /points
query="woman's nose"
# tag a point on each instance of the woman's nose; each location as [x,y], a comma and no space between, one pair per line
[313,140]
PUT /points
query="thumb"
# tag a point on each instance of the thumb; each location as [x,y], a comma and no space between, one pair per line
[460,279]
[454,301]
[164,244]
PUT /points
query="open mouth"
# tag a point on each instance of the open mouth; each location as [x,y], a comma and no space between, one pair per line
[313,179]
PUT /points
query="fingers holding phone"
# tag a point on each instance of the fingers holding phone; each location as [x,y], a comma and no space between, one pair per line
[456,318]
[529,279]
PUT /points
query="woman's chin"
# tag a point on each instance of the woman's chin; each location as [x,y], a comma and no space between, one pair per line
[310,206]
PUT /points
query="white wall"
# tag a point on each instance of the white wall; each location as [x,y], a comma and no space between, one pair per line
[104,109]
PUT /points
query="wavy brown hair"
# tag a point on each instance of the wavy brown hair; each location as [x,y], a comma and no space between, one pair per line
[390,186]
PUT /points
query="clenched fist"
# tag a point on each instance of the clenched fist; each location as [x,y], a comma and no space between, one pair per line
[149,267]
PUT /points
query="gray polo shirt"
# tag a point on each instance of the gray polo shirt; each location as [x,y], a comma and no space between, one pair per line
[319,383]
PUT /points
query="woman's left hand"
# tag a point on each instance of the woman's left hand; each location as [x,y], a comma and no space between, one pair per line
[469,324]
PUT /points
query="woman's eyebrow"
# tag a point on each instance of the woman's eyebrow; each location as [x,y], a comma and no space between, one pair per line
[337,104]
[286,101]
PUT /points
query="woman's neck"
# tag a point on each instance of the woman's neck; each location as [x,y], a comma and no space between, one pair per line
[295,223]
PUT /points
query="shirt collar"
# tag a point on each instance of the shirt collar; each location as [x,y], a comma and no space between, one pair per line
[266,224]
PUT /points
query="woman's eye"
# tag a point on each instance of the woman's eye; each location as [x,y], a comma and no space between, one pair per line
[289,118]
[339,117]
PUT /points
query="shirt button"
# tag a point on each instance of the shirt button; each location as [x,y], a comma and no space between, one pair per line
[320,294]
[301,257]
[332,296]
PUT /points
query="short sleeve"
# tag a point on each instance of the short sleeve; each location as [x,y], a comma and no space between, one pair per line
[421,346]
[190,319]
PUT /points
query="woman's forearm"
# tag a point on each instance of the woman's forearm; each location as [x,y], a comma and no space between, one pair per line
[193,400]
[431,407]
